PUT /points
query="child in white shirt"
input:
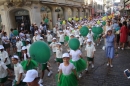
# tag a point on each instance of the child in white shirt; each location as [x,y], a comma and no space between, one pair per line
[19,45]
[62,36]
[3,73]
[59,54]
[90,50]
[53,46]
[49,37]
[18,71]
[28,45]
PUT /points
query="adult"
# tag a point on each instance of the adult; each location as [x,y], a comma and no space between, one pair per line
[123,35]
[110,45]
[13,40]
[32,78]
[129,34]
[6,42]
[32,29]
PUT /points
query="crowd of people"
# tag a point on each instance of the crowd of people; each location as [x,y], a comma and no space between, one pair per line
[71,63]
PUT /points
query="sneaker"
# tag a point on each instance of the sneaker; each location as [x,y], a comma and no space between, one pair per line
[49,74]
[80,75]
[107,64]
[111,65]
[40,81]
[92,65]
[97,44]
[86,69]
[122,48]
[55,60]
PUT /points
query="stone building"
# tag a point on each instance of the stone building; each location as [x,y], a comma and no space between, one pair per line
[14,12]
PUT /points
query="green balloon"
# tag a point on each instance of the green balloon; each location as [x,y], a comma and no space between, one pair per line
[66,38]
[74,43]
[103,23]
[15,32]
[94,29]
[46,20]
[95,36]
[40,52]
[97,30]
[84,31]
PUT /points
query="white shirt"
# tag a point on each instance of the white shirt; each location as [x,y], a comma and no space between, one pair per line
[41,27]
[4,39]
[19,45]
[3,56]
[3,70]
[53,46]
[81,39]
[36,38]
[25,56]
[61,39]
[54,30]
[75,55]
[66,70]
[90,36]
[90,50]
[18,69]
[76,32]
[22,36]
[59,53]
[28,47]
[49,37]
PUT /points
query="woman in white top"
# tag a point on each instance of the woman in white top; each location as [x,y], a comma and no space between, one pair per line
[79,63]
[67,74]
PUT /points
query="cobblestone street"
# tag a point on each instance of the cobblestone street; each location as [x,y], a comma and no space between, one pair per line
[101,75]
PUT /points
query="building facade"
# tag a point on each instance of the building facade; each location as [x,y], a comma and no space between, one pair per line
[14,12]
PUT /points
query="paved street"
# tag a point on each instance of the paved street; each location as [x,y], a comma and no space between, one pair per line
[101,75]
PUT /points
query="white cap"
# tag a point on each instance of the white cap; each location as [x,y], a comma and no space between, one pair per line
[68,27]
[77,36]
[88,40]
[15,56]
[89,29]
[48,31]
[65,55]
[28,40]
[54,39]
[30,75]
[24,48]
[1,47]
[59,43]
[41,37]
[109,29]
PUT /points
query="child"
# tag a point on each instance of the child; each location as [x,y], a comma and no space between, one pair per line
[61,39]
[90,49]
[19,45]
[4,57]
[45,67]
[18,71]
[28,63]
[49,37]
[36,36]
[79,63]
[53,46]
[3,73]
[28,45]
[59,54]
[67,74]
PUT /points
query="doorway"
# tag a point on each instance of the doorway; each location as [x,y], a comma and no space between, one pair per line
[18,17]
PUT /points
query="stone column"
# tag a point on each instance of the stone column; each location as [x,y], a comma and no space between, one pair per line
[36,16]
[66,13]
[54,16]
[80,12]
